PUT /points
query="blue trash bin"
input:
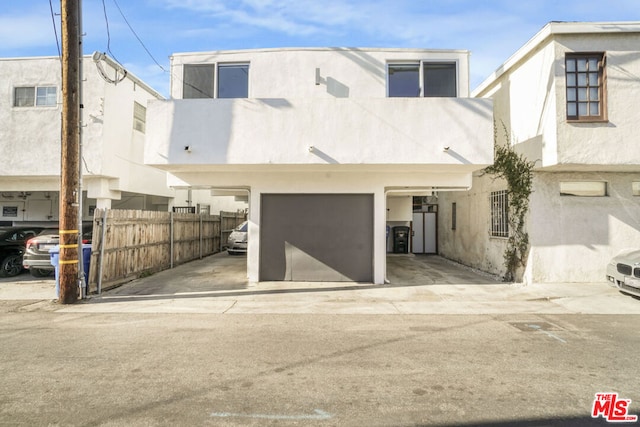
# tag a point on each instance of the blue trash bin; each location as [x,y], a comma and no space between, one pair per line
[86,261]
[54,254]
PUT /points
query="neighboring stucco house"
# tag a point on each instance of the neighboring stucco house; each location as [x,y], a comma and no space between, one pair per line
[113,140]
[569,101]
[328,144]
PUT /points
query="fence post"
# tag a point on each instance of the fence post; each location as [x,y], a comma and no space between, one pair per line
[171,240]
[104,235]
[220,231]
[200,232]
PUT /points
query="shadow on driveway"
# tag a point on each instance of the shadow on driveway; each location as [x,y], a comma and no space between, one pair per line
[224,276]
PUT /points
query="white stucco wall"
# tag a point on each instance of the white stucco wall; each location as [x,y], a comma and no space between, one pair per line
[344,72]
[340,131]
[112,151]
[614,143]
[530,99]
[471,242]
[573,238]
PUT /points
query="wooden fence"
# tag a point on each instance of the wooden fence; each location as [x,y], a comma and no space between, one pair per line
[129,244]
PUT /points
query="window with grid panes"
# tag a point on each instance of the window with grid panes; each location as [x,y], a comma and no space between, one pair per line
[585,86]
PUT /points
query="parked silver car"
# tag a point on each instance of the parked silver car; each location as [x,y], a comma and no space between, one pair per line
[237,242]
[623,272]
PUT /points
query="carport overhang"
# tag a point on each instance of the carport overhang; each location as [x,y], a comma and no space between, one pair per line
[380,181]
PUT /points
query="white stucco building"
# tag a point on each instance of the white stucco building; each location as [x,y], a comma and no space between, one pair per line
[113,140]
[328,144]
[569,101]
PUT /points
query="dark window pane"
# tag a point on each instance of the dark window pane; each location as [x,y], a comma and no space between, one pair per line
[198,81]
[233,81]
[404,80]
[440,80]
[24,96]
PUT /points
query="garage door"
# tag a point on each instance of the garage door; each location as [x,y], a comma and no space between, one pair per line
[316,237]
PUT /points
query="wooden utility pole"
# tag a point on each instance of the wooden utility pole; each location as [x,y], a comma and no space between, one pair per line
[69,176]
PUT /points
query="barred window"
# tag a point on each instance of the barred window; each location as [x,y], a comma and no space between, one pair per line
[499,213]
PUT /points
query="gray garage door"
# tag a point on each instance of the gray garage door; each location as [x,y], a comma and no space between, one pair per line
[316,237]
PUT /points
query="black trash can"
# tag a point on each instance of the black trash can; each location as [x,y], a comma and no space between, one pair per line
[401,240]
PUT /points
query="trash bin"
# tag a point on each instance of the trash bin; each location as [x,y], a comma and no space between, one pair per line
[54,254]
[401,239]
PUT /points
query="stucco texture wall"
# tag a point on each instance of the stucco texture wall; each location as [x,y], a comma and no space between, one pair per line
[573,238]
[471,243]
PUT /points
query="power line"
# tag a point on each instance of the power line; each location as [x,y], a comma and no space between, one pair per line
[106,20]
[55,31]
[137,37]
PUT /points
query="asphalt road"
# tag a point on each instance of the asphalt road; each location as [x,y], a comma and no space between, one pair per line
[92,369]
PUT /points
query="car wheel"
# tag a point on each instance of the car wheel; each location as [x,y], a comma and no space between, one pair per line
[11,265]
[39,272]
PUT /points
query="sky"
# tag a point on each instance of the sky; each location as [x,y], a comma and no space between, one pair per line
[142,34]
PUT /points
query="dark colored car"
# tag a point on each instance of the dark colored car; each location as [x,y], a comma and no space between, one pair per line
[36,256]
[12,245]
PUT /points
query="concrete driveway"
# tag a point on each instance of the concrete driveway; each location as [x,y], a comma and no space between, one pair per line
[417,285]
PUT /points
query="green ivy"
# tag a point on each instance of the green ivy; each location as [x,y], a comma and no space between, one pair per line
[517,171]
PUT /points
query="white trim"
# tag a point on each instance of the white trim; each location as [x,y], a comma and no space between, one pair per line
[549,30]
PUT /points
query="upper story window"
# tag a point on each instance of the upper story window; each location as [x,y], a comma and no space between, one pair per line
[202,81]
[39,96]
[585,86]
[139,117]
[428,79]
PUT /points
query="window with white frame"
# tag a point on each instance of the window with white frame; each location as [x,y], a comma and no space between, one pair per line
[39,96]
[500,213]
[586,93]
[139,117]
[215,81]
[422,79]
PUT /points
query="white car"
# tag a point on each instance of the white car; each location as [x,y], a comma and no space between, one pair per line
[237,242]
[623,272]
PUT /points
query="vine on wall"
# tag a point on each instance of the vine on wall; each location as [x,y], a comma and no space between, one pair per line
[517,171]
